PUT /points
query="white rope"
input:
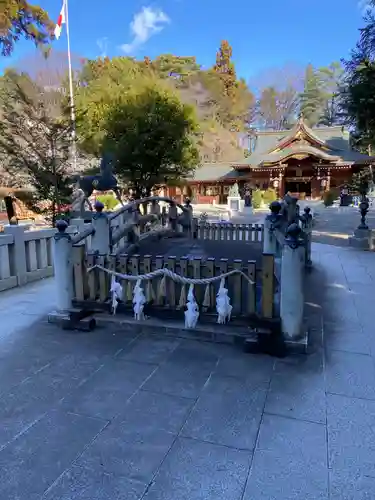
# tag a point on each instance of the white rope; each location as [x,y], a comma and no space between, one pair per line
[223,307]
[170,274]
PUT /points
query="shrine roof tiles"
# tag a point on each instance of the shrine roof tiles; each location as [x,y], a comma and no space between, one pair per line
[337,139]
[215,172]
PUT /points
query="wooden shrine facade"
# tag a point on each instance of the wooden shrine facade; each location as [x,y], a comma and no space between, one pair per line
[303,161]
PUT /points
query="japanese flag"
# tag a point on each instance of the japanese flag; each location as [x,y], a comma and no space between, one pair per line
[60,22]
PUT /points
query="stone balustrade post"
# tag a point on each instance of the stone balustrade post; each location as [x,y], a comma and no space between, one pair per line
[101,239]
[291,208]
[78,224]
[172,216]
[63,266]
[186,219]
[155,209]
[292,282]
[19,256]
[164,216]
[272,222]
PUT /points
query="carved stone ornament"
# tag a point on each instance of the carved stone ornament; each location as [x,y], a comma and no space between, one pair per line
[78,197]
[234,191]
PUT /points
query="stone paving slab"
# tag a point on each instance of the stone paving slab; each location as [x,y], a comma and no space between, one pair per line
[89,484]
[200,470]
[298,390]
[29,465]
[228,412]
[111,415]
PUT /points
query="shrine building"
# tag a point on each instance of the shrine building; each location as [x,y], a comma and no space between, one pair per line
[303,161]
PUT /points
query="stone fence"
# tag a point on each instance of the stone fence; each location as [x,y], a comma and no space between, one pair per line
[26,254]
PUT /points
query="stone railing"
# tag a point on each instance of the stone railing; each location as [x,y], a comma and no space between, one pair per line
[26,254]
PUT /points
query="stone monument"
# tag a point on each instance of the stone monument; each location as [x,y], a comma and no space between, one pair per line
[234,199]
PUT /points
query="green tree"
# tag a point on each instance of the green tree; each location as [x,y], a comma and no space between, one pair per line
[101,84]
[174,67]
[19,18]
[312,97]
[331,81]
[106,71]
[103,81]
[362,180]
[34,146]
[151,135]
[109,201]
[358,93]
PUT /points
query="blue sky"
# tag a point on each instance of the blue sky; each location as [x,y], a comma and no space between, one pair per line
[264,34]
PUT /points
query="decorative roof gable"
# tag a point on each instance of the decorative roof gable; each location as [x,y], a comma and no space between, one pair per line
[300,135]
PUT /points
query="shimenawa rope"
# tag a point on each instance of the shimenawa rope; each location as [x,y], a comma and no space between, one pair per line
[170,274]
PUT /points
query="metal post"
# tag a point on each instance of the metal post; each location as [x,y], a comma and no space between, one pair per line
[71,94]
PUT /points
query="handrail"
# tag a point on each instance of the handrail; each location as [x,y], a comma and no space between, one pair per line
[121,231]
[81,236]
[280,236]
[127,248]
[125,228]
[135,203]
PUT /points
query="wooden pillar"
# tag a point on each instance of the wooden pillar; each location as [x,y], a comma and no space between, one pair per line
[315,188]
[281,184]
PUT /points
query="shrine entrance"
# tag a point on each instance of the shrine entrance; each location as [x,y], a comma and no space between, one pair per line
[300,188]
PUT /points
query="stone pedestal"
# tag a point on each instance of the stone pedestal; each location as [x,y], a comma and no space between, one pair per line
[234,204]
[247,210]
[361,239]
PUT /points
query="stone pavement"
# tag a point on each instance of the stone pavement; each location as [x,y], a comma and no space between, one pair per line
[108,415]
[334,225]
[19,307]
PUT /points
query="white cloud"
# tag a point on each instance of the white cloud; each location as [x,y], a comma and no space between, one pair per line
[145,24]
[102,43]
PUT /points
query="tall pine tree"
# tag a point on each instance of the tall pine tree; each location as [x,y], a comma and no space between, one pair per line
[331,80]
[312,97]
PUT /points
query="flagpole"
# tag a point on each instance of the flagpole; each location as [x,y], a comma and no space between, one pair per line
[72,109]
